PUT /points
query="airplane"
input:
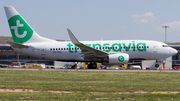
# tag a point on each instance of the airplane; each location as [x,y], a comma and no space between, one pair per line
[114,52]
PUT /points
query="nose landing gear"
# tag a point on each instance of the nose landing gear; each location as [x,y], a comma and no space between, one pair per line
[156,65]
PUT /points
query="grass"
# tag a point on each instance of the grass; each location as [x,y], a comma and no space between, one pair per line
[89,85]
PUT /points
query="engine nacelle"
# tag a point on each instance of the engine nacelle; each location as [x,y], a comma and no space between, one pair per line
[115,59]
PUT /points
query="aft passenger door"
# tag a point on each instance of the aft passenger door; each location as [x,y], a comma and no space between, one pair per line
[43,50]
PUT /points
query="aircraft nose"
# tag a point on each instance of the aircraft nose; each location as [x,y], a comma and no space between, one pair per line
[173,51]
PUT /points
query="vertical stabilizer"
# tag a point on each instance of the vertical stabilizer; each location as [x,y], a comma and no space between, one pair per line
[21,31]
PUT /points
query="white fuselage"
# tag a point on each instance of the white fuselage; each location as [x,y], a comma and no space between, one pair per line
[27,41]
[67,51]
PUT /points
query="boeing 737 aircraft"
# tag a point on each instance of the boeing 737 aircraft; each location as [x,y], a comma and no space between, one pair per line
[27,41]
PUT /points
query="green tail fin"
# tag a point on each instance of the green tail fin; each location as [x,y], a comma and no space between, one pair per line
[20,29]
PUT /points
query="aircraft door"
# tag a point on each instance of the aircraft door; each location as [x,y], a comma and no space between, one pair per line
[169,50]
[155,48]
[43,50]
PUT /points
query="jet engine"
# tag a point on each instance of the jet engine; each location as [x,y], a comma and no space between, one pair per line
[115,59]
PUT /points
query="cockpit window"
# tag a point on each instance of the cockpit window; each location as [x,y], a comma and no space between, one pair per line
[165,46]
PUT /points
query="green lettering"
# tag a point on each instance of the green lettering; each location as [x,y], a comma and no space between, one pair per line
[88,45]
[69,46]
[134,46]
[106,45]
[75,48]
[116,44]
[94,45]
[116,47]
[126,47]
[143,46]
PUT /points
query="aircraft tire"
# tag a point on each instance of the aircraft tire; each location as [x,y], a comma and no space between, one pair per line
[92,66]
[156,65]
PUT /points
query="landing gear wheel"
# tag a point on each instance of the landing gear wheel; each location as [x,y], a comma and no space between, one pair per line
[156,65]
[92,66]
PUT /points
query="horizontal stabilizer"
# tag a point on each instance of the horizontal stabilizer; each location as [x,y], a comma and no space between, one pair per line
[17,45]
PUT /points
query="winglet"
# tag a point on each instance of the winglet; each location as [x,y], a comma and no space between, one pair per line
[72,37]
[86,50]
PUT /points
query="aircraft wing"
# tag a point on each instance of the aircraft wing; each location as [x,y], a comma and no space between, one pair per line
[17,45]
[87,52]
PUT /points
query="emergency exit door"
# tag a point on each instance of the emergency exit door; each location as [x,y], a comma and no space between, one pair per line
[43,50]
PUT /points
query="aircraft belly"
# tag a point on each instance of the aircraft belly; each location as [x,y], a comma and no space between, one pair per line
[138,55]
[61,55]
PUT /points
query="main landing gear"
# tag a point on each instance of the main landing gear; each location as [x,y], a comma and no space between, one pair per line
[92,65]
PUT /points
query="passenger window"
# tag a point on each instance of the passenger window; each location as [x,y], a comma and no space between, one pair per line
[61,48]
[51,49]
